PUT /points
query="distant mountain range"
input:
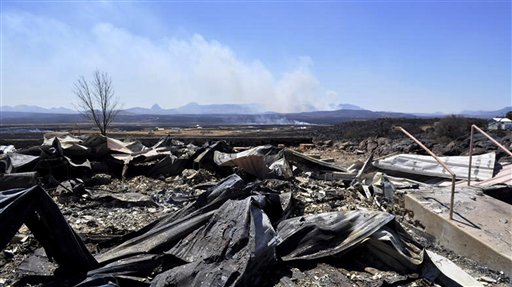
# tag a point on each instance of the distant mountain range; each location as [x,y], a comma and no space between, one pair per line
[338,111]
[345,107]
[197,109]
[190,109]
[37,109]
[488,114]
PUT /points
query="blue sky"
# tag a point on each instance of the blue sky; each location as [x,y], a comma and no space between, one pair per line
[407,56]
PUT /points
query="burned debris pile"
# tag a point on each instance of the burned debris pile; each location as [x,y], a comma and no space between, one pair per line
[113,213]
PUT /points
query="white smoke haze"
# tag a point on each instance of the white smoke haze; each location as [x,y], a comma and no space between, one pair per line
[42,57]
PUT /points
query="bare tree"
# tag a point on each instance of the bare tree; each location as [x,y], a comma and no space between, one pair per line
[96,100]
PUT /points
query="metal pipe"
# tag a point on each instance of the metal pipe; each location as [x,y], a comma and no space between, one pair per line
[474,127]
[470,153]
[439,161]
[428,151]
[493,140]
[452,197]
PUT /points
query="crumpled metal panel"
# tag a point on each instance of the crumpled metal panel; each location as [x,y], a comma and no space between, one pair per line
[321,235]
[482,169]
[256,161]
[36,209]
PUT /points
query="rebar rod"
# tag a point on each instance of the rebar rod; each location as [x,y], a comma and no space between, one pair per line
[443,164]
[470,153]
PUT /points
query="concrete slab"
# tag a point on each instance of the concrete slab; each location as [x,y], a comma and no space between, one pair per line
[481,228]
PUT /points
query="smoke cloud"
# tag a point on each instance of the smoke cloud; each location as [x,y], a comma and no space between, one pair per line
[42,57]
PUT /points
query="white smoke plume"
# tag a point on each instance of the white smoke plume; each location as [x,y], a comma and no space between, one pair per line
[42,57]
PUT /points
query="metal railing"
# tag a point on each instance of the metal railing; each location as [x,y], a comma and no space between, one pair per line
[443,164]
[473,128]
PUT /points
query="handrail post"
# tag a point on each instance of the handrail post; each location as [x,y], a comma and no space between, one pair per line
[475,127]
[492,140]
[452,197]
[470,154]
[439,161]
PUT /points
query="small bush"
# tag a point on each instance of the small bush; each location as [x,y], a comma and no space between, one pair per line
[451,128]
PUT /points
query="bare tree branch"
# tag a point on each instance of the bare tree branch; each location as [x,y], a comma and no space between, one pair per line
[96,100]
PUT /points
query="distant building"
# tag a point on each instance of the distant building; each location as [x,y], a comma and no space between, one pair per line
[500,124]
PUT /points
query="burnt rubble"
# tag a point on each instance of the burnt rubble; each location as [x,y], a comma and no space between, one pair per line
[113,213]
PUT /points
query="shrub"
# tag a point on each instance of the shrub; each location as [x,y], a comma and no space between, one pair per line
[452,127]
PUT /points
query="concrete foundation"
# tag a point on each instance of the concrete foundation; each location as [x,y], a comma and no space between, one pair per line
[481,228]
